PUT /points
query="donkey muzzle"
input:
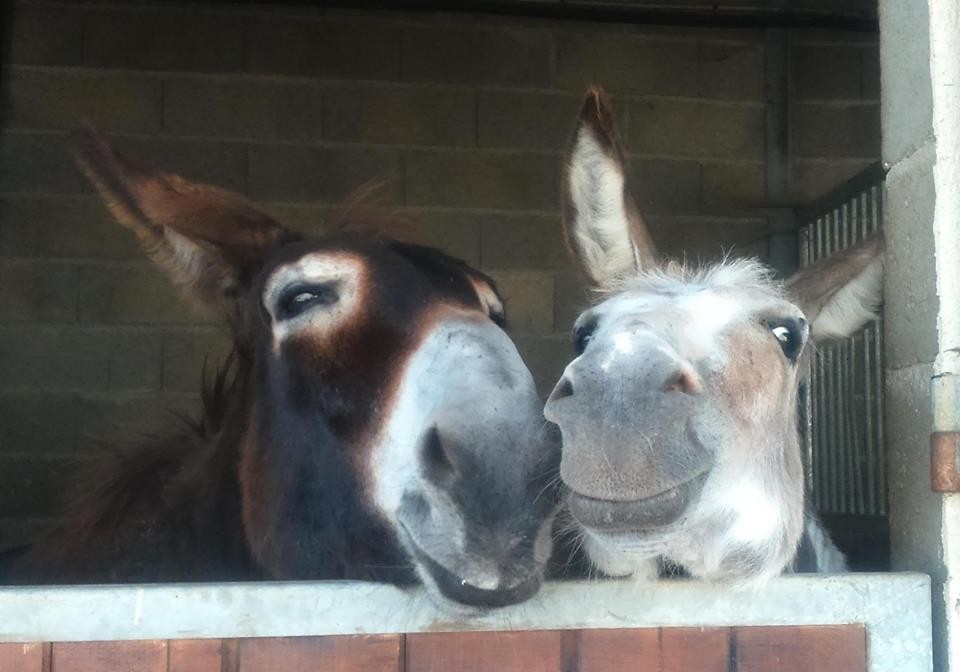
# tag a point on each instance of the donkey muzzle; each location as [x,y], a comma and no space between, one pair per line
[631,456]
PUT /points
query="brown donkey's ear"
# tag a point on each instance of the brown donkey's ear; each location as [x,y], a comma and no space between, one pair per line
[601,221]
[211,241]
[842,292]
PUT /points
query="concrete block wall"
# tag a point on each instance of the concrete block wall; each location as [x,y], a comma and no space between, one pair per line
[461,119]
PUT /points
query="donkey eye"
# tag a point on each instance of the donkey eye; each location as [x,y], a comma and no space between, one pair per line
[299,298]
[582,333]
[789,334]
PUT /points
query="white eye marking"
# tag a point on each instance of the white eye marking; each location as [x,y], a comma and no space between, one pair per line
[317,292]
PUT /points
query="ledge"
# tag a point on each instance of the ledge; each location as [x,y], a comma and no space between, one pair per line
[894,607]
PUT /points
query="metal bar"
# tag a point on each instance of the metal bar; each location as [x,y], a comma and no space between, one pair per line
[843,407]
[872,473]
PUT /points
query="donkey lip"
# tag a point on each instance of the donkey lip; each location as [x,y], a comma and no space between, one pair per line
[655,511]
[456,589]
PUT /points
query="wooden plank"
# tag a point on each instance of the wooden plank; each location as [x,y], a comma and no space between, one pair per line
[21,657]
[341,653]
[824,648]
[518,651]
[636,649]
[195,655]
[694,649]
[132,656]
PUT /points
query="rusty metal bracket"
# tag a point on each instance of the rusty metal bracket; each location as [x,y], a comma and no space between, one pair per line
[945,461]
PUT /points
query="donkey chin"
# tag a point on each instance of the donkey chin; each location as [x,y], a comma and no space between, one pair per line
[671,500]
[465,582]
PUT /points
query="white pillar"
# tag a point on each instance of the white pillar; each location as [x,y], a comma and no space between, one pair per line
[920,62]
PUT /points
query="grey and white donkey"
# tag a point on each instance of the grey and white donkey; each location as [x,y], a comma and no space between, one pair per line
[679,413]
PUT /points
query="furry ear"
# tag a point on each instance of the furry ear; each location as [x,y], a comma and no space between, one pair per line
[603,227]
[842,292]
[210,241]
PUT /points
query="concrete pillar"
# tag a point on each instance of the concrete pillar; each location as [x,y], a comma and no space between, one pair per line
[920,71]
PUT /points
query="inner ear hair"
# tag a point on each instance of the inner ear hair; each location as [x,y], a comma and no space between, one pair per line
[841,293]
[603,227]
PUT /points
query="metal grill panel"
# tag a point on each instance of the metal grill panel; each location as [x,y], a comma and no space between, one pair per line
[842,405]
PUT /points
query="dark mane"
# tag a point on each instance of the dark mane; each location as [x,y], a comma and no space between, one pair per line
[132,495]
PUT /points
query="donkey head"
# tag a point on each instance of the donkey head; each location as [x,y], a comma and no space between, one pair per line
[386,426]
[678,415]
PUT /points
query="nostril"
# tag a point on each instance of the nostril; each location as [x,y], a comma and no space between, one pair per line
[437,458]
[563,389]
[684,380]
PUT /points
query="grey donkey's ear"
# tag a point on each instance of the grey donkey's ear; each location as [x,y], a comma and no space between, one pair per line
[603,227]
[842,292]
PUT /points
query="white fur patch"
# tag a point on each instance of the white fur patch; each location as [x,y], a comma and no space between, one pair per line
[427,389]
[756,514]
[347,270]
[601,228]
[853,306]
[830,559]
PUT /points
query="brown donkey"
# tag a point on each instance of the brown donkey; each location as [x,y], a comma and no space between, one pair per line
[376,422]
[678,415]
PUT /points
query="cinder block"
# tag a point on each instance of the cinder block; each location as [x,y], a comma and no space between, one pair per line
[308,218]
[46,35]
[626,64]
[812,178]
[136,363]
[731,70]
[870,72]
[328,174]
[408,116]
[474,55]
[319,48]
[111,102]
[522,241]
[124,420]
[156,39]
[244,108]
[32,486]
[189,355]
[546,357]
[15,531]
[665,185]
[696,128]
[38,291]
[38,423]
[132,293]
[528,300]
[572,296]
[737,185]
[485,180]
[837,132]
[76,228]
[905,76]
[527,120]
[36,164]
[910,288]
[66,358]
[709,240]
[822,72]
[455,232]
[223,164]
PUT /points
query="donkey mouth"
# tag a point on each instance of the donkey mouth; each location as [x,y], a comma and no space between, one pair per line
[458,590]
[651,512]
